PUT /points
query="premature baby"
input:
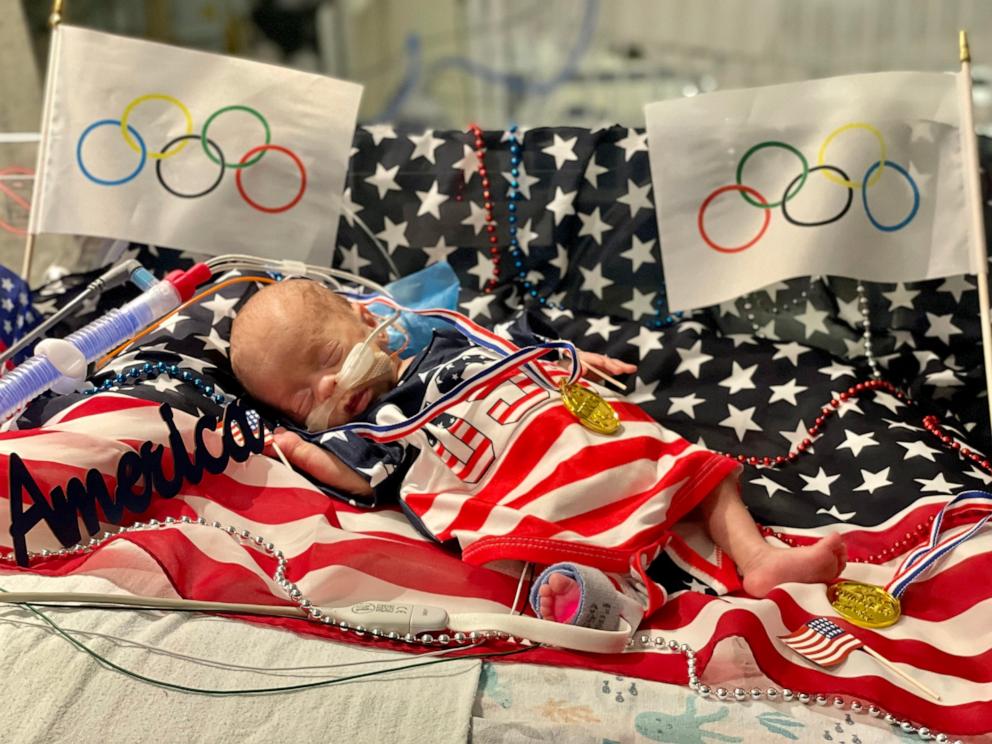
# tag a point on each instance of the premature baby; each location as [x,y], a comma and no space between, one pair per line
[507,473]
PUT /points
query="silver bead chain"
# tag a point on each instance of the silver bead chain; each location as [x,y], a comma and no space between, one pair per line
[750,300]
[291,590]
[866,330]
[315,614]
[863,309]
[774,694]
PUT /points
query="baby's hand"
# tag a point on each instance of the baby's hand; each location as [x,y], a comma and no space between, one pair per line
[287,442]
[318,462]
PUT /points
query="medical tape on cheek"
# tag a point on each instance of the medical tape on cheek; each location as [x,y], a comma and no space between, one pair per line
[365,363]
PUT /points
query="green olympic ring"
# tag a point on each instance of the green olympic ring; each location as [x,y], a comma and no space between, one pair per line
[214,115]
[788,195]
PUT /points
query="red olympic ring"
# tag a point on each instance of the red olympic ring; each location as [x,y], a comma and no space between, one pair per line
[714,195]
[15,197]
[292,156]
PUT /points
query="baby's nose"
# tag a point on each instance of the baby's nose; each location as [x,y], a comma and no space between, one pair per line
[326,387]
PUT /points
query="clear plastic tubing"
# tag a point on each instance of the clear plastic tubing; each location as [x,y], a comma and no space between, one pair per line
[37,375]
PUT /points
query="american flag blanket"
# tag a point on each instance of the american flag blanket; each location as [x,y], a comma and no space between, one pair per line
[873,473]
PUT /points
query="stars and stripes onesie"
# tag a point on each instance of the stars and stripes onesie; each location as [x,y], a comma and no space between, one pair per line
[511,474]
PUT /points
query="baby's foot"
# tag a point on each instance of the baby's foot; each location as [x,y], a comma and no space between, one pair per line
[812,564]
[581,595]
[560,598]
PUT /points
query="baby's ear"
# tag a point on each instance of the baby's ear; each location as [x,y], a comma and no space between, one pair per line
[364,315]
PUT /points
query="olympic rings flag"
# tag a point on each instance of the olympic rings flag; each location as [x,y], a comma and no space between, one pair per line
[209,154]
[859,176]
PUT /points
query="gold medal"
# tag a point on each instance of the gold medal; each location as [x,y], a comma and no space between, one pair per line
[863,604]
[589,408]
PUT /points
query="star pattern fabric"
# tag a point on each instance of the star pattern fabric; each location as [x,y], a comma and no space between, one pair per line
[585,222]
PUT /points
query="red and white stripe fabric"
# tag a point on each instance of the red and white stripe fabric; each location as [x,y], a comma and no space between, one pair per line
[468,454]
[531,483]
[340,554]
[508,410]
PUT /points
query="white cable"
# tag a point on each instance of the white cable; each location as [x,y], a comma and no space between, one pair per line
[377,330]
[167,603]
[520,583]
[232,261]
[238,261]
[562,635]
[367,230]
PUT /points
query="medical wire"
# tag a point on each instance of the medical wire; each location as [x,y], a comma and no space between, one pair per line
[375,241]
[374,335]
[263,690]
[514,82]
[104,360]
[274,671]
[239,261]
[509,24]
[233,261]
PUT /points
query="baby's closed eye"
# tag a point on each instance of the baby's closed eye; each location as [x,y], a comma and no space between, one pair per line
[301,404]
[331,355]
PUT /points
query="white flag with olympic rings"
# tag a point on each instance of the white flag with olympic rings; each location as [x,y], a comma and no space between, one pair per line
[859,176]
[206,153]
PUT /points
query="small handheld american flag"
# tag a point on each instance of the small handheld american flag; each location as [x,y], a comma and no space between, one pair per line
[825,643]
[17,315]
[822,642]
[254,420]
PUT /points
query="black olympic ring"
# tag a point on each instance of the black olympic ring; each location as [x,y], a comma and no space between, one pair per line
[211,187]
[850,199]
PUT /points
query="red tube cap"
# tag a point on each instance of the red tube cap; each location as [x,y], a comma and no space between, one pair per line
[187,281]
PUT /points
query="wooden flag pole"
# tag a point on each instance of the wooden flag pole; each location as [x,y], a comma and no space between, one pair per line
[606,378]
[54,19]
[969,144]
[892,668]
[277,450]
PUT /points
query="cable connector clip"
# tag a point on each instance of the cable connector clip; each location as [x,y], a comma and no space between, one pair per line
[289,268]
[391,617]
[68,360]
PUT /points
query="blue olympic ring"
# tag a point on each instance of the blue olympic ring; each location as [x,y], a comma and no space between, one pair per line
[916,197]
[104,181]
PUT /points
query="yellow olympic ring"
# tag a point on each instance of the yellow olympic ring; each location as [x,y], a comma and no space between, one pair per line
[155,97]
[847,183]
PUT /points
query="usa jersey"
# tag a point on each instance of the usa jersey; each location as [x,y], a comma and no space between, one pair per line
[511,474]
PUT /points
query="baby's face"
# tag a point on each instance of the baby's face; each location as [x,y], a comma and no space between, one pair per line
[295,362]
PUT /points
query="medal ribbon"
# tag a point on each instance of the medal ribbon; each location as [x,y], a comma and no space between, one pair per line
[925,556]
[482,337]
[514,359]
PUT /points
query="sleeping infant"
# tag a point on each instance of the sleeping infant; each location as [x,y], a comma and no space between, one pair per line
[506,473]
